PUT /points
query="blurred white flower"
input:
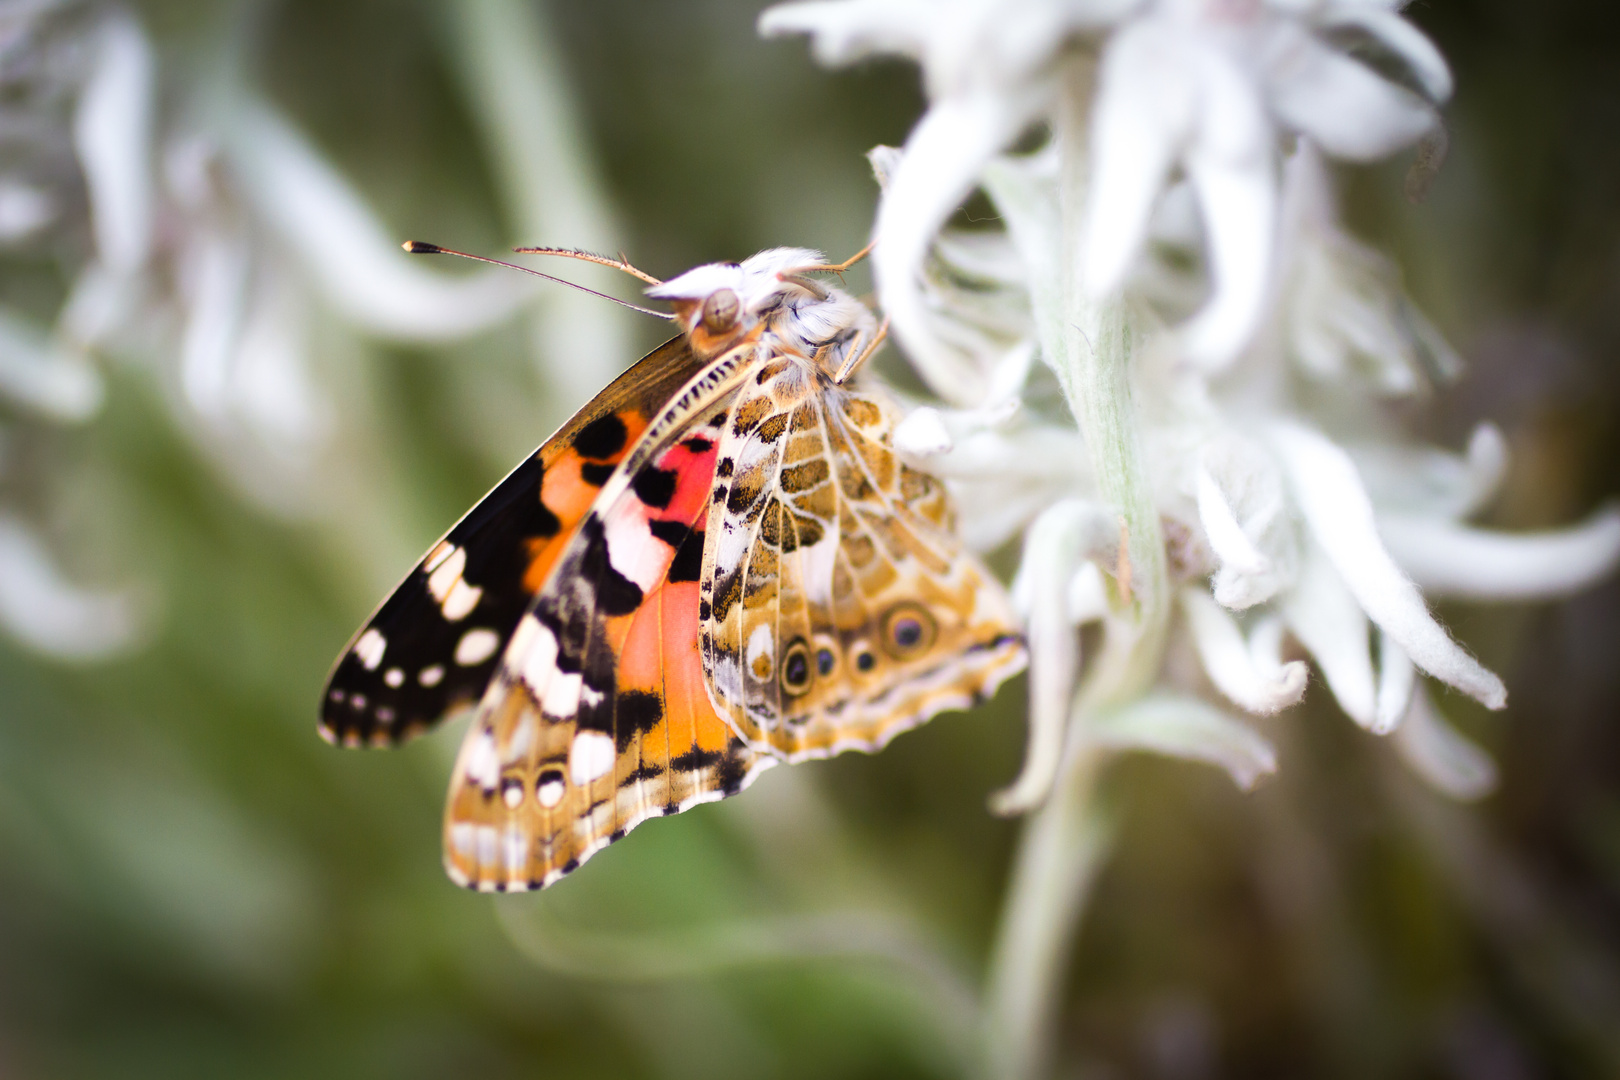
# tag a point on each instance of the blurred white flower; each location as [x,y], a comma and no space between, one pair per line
[1341,305]
[1277,536]
[210,242]
[1234,502]
[1198,87]
[1298,537]
[1204,86]
[24,210]
[43,610]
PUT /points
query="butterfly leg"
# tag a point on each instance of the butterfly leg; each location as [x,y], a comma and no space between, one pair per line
[848,367]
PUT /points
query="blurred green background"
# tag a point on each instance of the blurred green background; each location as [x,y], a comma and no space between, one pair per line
[193,884]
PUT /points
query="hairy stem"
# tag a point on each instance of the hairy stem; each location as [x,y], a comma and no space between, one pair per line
[1063,845]
[1065,842]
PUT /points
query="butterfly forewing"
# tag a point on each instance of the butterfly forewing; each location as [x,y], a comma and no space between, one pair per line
[719,564]
[839,610]
[433,644]
[598,716]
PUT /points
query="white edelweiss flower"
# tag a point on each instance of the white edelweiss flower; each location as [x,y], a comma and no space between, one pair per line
[1204,86]
[991,68]
[1231,493]
[974,309]
[1344,313]
[1274,531]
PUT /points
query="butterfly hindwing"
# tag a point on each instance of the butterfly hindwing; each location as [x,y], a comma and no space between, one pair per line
[718,565]
[598,715]
[432,646]
[839,609]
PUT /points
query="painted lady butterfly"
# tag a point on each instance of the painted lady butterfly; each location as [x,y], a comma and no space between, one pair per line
[717,565]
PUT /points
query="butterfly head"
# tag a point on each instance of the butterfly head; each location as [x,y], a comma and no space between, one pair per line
[722,305]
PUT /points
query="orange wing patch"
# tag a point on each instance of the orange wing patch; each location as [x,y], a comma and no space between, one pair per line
[432,647]
[599,716]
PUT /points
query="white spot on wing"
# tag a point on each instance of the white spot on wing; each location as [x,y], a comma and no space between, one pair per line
[476,646]
[441,551]
[517,848]
[512,795]
[370,648]
[816,565]
[591,757]
[729,552]
[727,677]
[488,843]
[431,676]
[394,677]
[632,548]
[539,655]
[760,643]
[462,835]
[522,740]
[562,695]
[462,599]
[483,767]
[447,573]
[550,793]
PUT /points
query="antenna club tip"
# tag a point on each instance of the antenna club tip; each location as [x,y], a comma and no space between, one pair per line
[421,247]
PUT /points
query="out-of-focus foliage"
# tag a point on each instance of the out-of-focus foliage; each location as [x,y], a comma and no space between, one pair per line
[194,885]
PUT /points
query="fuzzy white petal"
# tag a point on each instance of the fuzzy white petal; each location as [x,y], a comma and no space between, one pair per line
[1396,680]
[1330,495]
[1243,509]
[1402,39]
[1232,546]
[42,609]
[1229,663]
[943,156]
[1239,203]
[112,134]
[842,31]
[922,433]
[1053,546]
[1087,594]
[41,375]
[1333,628]
[1143,114]
[1434,483]
[1187,728]
[1438,752]
[1351,111]
[24,209]
[1448,559]
[359,268]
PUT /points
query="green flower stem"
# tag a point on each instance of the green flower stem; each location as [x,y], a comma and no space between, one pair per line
[1065,842]
[1063,845]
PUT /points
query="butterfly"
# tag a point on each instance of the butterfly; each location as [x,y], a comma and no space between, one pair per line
[720,564]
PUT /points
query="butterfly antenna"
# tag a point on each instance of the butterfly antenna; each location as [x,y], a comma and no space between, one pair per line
[621,263]
[421,247]
[837,268]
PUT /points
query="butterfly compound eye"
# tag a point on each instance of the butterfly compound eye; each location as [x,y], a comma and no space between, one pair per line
[720,311]
[908,629]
